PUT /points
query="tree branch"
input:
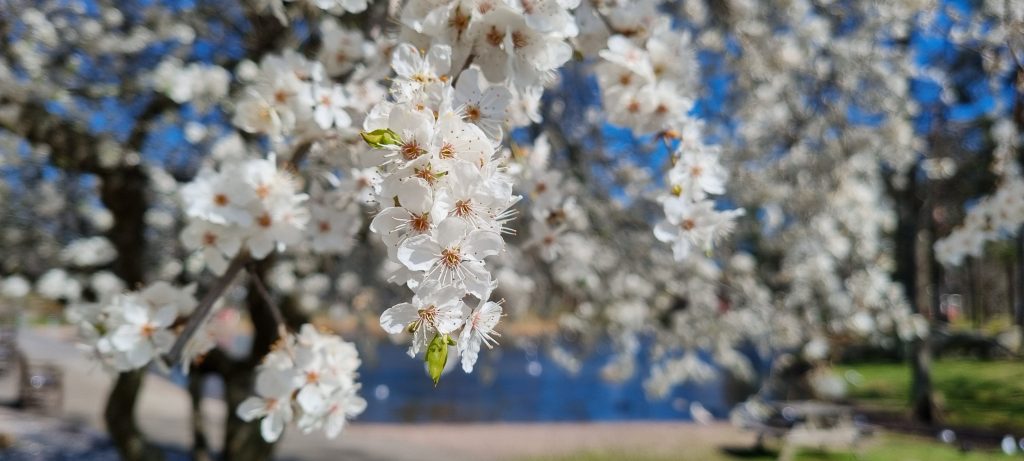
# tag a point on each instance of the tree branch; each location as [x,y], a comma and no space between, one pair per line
[275,312]
[202,311]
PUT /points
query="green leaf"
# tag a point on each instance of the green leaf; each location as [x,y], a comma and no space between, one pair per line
[379,139]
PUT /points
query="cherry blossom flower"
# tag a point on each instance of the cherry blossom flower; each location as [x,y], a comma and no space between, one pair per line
[479,330]
[272,403]
[434,309]
[453,254]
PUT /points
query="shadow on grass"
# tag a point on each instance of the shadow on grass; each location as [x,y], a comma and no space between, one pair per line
[747,452]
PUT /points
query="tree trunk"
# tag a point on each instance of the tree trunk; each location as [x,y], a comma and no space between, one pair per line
[242,441]
[1011,292]
[923,407]
[120,419]
[123,192]
[200,446]
[909,211]
[1020,281]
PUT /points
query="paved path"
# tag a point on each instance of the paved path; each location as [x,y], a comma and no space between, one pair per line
[164,414]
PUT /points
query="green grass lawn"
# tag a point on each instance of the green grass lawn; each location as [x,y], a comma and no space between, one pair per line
[881,448]
[971,392]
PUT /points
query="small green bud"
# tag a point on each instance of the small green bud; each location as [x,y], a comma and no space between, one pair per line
[379,139]
[437,356]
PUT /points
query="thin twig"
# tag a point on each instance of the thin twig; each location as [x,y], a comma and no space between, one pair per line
[261,289]
[202,311]
[1016,59]
[298,155]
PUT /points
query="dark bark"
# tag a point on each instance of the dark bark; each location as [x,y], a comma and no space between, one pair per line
[200,445]
[923,407]
[120,419]
[123,192]
[909,208]
[935,276]
[1011,292]
[1020,280]
[243,441]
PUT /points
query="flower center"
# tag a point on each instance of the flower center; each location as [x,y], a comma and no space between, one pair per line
[281,96]
[419,223]
[264,114]
[221,200]
[519,40]
[450,257]
[411,150]
[689,224]
[463,207]
[264,220]
[426,174]
[495,37]
[459,21]
[428,314]
[447,150]
[262,191]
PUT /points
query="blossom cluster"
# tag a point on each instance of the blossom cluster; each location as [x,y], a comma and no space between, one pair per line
[130,330]
[996,216]
[288,94]
[645,87]
[553,207]
[463,72]
[450,200]
[309,377]
[192,82]
[515,45]
[250,204]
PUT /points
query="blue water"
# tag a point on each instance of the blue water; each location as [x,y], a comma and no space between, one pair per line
[514,384]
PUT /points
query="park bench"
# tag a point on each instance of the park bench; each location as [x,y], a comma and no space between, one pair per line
[36,386]
[806,424]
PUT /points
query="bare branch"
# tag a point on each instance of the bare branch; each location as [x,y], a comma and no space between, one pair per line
[261,289]
[198,317]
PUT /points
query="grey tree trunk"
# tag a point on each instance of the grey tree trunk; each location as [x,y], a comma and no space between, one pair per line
[1020,282]
[123,192]
[909,210]
[120,419]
